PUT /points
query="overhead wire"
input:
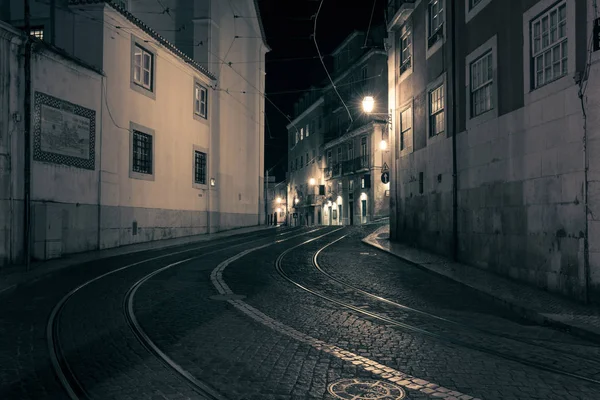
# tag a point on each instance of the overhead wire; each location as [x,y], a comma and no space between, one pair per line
[325,67]
[370,21]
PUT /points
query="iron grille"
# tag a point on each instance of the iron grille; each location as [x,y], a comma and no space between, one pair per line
[142,153]
[200,167]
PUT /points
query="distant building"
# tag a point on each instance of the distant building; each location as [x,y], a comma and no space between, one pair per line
[335,155]
[487,93]
[137,135]
[276,202]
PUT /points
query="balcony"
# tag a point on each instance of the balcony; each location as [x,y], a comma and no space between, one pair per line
[398,11]
[345,167]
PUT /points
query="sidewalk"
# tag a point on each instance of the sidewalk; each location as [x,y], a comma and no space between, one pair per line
[13,276]
[535,304]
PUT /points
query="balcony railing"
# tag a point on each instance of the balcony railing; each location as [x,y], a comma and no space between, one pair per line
[347,167]
[394,6]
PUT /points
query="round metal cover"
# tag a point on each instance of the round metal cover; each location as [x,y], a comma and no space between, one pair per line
[225,297]
[357,389]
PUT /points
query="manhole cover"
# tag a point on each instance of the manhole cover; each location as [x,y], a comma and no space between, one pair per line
[226,297]
[357,389]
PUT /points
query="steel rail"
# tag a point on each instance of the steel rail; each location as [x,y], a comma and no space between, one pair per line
[61,367]
[413,328]
[317,266]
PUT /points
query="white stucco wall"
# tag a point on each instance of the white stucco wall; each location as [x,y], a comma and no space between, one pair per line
[64,197]
[168,205]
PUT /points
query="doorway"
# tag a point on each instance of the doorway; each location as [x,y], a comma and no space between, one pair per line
[319,217]
[341,215]
[330,216]
[351,212]
[363,206]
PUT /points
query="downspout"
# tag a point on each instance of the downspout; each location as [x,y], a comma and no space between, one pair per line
[99,143]
[27,140]
[454,133]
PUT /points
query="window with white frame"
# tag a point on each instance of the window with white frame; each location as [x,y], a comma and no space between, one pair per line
[301,133]
[307,129]
[143,67]
[482,80]
[142,154]
[405,127]
[405,48]
[435,21]
[549,45]
[200,101]
[436,111]
[350,150]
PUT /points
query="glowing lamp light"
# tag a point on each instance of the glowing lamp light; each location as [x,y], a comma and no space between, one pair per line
[363,196]
[383,145]
[296,201]
[212,182]
[312,181]
[279,200]
[329,204]
[278,210]
[368,104]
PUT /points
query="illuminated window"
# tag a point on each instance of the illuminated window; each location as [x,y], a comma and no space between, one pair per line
[143,67]
[435,19]
[38,32]
[549,45]
[436,111]
[200,101]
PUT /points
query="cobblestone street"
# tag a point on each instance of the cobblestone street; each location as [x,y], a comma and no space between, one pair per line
[279,314]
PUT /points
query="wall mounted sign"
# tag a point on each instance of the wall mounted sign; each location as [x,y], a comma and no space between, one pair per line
[63,132]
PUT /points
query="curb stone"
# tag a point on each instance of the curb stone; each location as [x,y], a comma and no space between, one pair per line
[525,312]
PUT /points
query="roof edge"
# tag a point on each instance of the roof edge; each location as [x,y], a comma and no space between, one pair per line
[261,26]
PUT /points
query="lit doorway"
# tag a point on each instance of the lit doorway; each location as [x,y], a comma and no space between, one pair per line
[363,206]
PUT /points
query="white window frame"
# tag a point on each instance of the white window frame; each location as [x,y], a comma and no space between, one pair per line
[429,51]
[408,106]
[301,133]
[199,88]
[471,12]
[441,80]
[491,45]
[405,31]
[531,94]
[307,126]
[137,84]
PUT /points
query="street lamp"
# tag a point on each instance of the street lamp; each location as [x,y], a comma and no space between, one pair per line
[368,104]
[383,145]
[312,181]
[279,200]
[296,201]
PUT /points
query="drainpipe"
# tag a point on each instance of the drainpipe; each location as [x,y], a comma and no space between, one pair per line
[27,140]
[454,133]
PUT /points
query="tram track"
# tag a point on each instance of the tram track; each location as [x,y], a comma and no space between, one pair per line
[403,325]
[68,378]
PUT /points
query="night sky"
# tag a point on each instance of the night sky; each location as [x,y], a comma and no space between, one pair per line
[293,64]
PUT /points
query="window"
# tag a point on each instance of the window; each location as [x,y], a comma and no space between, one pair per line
[339,154]
[351,185]
[301,133]
[313,154]
[301,161]
[549,45]
[482,79]
[350,150]
[307,126]
[297,136]
[296,163]
[364,152]
[406,49]
[143,67]
[200,101]
[340,187]
[142,153]
[405,127]
[473,7]
[364,74]
[37,31]
[199,167]
[436,111]
[307,159]
[435,19]
[329,158]
[121,3]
